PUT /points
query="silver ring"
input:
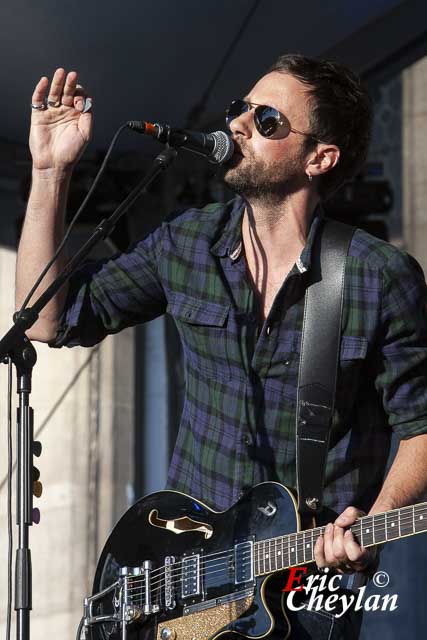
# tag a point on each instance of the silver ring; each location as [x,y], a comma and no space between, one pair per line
[38,107]
[88,105]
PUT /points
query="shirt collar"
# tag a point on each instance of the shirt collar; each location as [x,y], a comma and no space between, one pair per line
[305,259]
[231,237]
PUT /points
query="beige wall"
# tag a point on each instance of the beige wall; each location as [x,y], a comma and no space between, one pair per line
[84,419]
[415,160]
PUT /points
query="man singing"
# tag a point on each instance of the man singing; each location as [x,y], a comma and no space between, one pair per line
[234,277]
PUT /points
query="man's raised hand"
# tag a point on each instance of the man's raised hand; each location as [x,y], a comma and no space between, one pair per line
[60,128]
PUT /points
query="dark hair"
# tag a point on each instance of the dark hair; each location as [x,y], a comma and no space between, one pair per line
[340,113]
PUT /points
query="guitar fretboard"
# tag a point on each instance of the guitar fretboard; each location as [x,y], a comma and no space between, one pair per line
[293,549]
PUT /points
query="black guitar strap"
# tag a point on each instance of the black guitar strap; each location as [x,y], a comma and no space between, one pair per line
[318,367]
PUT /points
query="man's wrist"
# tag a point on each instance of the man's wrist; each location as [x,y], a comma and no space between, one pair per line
[52,174]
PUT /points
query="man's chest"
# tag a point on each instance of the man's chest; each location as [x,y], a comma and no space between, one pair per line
[266,284]
[266,278]
[218,312]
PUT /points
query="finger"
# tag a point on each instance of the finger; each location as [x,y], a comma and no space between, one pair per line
[319,556]
[348,517]
[39,94]
[57,86]
[83,103]
[338,548]
[354,551]
[328,540]
[80,91]
[85,126]
[69,89]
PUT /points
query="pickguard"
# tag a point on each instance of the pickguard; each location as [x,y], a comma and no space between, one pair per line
[203,624]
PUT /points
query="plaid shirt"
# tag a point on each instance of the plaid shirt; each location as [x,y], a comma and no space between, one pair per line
[238,422]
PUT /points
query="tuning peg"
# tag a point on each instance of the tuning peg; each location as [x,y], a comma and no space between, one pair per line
[37,448]
[36,474]
[36,515]
[37,488]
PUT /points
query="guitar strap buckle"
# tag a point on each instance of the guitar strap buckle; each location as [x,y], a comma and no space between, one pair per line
[312,442]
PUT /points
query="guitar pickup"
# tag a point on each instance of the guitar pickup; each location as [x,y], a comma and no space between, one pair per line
[191,576]
[243,562]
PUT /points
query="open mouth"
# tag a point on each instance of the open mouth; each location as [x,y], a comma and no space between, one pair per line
[235,159]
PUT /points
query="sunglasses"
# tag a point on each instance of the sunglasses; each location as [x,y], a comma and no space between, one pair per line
[269,122]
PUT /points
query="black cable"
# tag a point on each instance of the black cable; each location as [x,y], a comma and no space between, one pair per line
[74,220]
[195,113]
[9,498]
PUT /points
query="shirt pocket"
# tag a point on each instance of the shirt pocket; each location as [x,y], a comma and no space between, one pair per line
[353,354]
[203,329]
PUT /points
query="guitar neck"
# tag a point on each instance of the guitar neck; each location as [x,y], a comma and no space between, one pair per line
[283,552]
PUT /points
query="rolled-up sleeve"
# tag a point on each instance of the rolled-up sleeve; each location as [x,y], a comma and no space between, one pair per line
[402,358]
[107,296]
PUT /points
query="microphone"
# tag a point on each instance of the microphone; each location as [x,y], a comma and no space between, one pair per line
[217,147]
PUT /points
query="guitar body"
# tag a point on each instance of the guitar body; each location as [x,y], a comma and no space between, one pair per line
[207,589]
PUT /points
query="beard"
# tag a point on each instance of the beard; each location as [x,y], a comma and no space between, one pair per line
[256,179]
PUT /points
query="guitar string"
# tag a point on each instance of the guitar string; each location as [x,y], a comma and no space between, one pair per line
[160,590]
[177,566]
[157,590]
[157,587]
[299,546]
[226,559]
[272,557]
[204,560]
[404,519]
[299,543]
[318,530]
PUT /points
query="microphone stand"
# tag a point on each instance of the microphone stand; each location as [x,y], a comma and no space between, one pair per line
[16,346]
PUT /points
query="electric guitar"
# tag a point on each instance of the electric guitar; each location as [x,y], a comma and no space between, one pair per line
[174,569]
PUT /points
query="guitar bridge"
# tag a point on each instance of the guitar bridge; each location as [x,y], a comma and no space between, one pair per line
[169,588]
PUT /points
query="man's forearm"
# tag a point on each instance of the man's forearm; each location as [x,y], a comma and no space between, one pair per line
[406,481]
[42,232]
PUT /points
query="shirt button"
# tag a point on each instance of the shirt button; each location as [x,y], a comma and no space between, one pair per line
[247,439]
[268,330]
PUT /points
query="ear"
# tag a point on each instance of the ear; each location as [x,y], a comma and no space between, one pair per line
[323,159]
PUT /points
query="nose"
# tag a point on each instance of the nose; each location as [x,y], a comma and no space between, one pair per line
[243,124]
